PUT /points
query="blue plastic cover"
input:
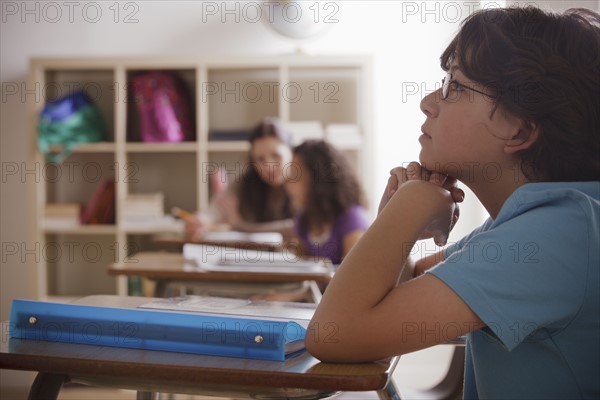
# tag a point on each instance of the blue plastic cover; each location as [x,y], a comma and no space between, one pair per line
[153,330]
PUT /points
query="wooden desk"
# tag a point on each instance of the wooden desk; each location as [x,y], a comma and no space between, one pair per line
[155,371]
[172,267]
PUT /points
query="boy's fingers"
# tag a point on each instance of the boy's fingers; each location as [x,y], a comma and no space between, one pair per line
[437,179]
[400,174]
[414,171]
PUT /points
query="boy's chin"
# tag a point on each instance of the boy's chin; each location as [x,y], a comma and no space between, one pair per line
[428,164]
[424,160]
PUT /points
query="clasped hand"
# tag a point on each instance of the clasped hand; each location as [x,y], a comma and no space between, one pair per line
[439,227]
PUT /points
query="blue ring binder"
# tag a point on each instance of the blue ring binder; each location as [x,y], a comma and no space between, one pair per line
[155,330]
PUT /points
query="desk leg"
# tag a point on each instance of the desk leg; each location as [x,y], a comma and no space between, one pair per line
[47,386]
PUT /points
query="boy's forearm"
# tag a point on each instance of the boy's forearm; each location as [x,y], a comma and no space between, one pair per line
[379,261]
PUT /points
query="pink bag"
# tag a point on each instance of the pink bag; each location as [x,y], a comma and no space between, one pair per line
[163,107]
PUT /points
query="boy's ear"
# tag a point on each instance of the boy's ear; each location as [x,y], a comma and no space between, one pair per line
[523,139]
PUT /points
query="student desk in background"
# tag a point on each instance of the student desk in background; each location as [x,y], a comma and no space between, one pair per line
[165,268]
[149,371]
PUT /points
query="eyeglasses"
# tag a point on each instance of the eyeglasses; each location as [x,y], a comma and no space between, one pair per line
[447,82]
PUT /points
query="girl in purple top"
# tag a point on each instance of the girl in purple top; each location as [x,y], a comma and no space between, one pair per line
[327,199]
[330,215]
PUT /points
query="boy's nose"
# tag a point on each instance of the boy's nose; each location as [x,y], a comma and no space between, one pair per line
[429,105]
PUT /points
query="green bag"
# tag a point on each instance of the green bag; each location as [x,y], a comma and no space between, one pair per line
[66,122]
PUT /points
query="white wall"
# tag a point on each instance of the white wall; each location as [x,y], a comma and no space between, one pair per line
[405,38]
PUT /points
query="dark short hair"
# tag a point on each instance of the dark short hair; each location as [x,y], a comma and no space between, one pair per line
[334,187]
[543,68]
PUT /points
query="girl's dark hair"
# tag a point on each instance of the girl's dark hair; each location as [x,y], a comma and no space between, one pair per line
[334,187]
[543,68]
[258,199]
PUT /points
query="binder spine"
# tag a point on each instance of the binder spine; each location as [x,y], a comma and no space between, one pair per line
[152,330]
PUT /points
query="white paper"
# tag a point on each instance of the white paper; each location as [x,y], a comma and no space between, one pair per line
[218,258]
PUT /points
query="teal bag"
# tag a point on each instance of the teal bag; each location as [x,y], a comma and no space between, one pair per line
[66,122]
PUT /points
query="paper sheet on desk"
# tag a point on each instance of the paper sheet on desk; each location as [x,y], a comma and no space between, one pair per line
[301,313]
[217,258]
[270,238]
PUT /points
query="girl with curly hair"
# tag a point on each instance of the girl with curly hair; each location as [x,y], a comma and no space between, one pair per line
[330,214]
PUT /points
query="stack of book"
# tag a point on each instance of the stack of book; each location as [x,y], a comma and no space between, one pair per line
[146,212]
[144,206]
[61,215]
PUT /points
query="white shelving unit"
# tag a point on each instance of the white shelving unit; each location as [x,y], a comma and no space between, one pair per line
[227,94]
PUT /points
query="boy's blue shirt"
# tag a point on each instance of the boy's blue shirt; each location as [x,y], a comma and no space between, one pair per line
[532,276]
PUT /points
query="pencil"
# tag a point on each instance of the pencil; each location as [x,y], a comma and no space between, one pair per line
[181,213]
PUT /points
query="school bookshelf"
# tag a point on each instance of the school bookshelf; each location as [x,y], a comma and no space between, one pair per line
[317,96]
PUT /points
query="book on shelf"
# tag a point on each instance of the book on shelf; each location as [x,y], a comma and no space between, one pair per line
[144,206]
[191,324]
[100,209]
[145,211]
[62,215]
[229,259]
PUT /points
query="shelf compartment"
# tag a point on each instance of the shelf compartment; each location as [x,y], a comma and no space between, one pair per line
[239,98]
[173,174]
[75,180]
[326,94]
[98,84]
[184,77]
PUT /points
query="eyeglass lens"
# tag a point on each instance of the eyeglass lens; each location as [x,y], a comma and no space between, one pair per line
[446,85]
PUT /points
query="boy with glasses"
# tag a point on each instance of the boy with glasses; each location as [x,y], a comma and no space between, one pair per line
[522,94]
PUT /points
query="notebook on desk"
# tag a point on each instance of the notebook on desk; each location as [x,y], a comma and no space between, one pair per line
[192,324]
[219,258]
